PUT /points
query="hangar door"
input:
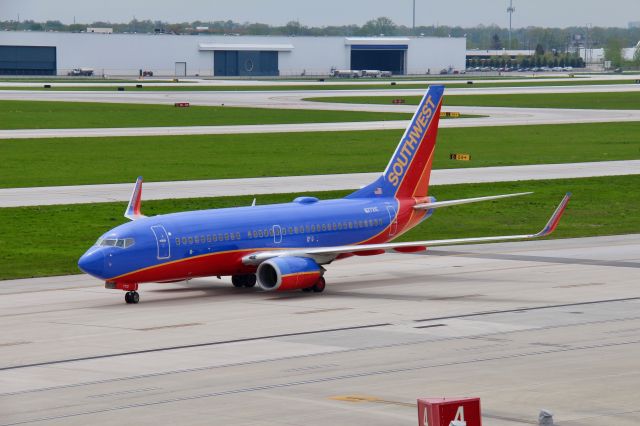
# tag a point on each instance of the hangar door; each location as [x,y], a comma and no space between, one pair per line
[28,60]
[245,63]
[379,57]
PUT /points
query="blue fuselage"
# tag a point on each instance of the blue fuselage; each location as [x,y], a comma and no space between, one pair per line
[212,242]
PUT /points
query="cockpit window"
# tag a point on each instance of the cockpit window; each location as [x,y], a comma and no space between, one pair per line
[115,242]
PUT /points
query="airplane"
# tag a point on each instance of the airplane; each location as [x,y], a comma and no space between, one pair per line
[284,247]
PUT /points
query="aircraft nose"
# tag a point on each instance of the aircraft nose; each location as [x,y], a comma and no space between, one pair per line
[92,262]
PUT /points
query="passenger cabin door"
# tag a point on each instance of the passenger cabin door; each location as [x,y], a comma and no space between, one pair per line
[162,241]
[277,234]
[393,221]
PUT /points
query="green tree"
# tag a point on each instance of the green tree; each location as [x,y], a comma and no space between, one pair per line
[381,25]
[293,28]
[613,52]
[496,43]
[539,50]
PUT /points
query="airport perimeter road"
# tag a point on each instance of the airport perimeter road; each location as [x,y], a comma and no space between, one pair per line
[492,116]
[81,194]
[194,82]
[542,324]
[289,99]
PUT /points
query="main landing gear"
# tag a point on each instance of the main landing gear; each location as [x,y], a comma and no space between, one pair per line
[239,281]
[318,287]
[131,297]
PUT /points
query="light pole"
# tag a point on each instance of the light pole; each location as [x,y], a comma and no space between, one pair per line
[414,17]
[510,11]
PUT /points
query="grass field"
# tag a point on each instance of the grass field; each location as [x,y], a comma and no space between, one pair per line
[69,115]
[604,100]
[48,240]
[77,161]
[329,86]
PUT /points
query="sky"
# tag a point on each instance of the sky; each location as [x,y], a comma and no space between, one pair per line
[465,13]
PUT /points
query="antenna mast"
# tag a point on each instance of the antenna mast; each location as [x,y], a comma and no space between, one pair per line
[510,11]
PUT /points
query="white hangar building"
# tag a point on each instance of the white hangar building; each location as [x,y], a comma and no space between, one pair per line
[53,53]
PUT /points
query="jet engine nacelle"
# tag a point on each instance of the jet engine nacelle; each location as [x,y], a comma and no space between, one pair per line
[288,273]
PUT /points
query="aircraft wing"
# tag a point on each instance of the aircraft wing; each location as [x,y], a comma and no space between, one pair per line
[327,254]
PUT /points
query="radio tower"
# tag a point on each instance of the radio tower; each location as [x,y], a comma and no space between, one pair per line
[510,11]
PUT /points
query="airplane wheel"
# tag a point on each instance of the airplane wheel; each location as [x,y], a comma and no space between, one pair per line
[127,297]
[135,297]
[237,280]
[319,286]
[243,280]
[307,290]
[251,281]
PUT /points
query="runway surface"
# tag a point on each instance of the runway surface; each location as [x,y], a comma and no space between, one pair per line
[525,326]
[194,82]
[80,194]
[289,98]
[436,79]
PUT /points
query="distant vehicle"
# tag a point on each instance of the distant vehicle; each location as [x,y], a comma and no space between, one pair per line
[557,69]
[345,73]
[81,72]
[567,69]
[147,73]
[286,247]
[371,73]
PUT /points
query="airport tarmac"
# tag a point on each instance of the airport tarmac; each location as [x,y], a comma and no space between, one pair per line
[402,80]
[292,99]
[82,194]
[548,324]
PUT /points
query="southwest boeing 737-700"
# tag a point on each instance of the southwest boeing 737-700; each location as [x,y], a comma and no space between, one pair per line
[285,247]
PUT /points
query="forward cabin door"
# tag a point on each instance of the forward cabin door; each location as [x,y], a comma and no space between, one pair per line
[162,240]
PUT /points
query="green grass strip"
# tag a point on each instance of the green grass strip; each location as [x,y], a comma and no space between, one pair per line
[77,161]
[72,115]
[603,100]
[47,240]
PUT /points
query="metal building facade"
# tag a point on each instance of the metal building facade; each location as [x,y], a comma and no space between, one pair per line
[28,60]
[202,55]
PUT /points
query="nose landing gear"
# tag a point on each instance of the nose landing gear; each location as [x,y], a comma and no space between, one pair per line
[132,297]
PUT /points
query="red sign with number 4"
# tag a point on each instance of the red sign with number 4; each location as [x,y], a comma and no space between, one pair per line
[449,412]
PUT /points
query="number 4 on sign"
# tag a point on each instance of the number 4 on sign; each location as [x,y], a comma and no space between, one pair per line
[459,418]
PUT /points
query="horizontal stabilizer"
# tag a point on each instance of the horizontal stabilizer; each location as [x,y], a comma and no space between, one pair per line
[438,204]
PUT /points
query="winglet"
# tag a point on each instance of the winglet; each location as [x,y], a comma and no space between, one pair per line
[555,217]
[133,209]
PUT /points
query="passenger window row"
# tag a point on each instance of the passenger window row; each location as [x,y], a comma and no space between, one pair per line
[278,230]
